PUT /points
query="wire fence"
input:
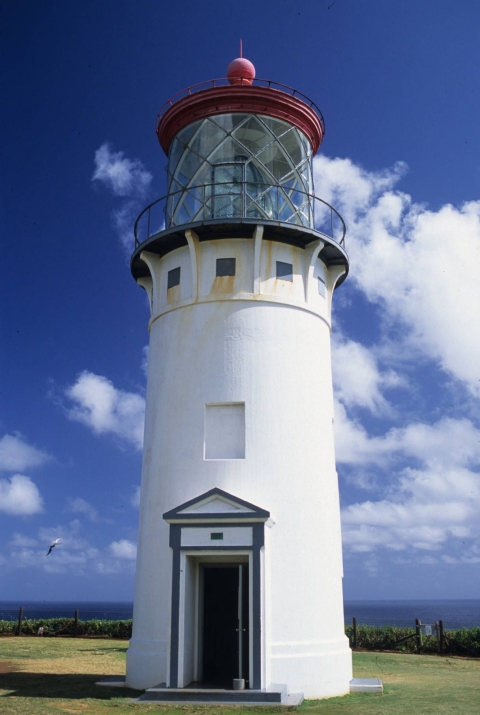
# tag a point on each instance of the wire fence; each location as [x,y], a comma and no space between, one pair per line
[64,625]
[431,638]
[88,613]
[422,638]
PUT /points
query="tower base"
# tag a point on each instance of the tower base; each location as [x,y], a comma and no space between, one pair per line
[319,670]
[146,663]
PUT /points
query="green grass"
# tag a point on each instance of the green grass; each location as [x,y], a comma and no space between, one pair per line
[58,676]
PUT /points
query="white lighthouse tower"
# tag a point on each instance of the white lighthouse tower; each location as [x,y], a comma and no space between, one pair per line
[239,571]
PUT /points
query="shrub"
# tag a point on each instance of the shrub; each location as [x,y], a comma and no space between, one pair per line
[462,642]
[66,627]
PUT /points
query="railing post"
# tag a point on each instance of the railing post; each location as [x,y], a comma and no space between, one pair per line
[418,633]
[354,632]
[75,625]
[20,619]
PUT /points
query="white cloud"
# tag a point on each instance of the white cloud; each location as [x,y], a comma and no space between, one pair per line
[124,221]
[17,455]
[20,541]
[421,267]
[354,446]
[123,549]
[70,536]
[341,182]
[19,496]
[413,516]
[127,178]
[124,177]
[428,560]
[448,442]
[61,560]
[80,506]
[358,381]
[426,505]
[73,555]
[107,410]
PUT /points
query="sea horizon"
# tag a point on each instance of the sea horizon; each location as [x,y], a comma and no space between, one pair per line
[348,600]
[455,613]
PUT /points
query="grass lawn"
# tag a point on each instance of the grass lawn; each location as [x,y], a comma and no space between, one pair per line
[57,675]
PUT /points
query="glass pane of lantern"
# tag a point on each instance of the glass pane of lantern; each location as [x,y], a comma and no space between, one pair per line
[229,122]
[189,164]
[186,134]
[253,135]
[176,152]
[229,150]
[276,125]
[273,158]
[209,136]
[293,146]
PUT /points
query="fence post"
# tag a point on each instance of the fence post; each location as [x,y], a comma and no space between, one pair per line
[20,619]
[75,625]
[441,640]
[418,633]
[354,632]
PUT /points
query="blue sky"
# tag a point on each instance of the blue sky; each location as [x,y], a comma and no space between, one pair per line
[398,84]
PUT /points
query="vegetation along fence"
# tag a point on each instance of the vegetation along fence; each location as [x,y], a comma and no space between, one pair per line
[73,627]
[422,638]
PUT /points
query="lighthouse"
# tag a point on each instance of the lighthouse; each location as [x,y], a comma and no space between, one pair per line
[239,569]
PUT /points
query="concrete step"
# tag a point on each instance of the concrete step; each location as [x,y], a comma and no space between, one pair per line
[366,685]
[273,695]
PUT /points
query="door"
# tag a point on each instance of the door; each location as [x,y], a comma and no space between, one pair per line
[225,624]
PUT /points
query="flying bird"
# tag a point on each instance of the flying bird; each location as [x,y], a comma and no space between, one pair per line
[52,546]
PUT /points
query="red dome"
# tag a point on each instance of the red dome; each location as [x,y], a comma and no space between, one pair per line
[241,71]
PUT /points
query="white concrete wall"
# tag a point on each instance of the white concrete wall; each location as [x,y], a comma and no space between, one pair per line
[264,342]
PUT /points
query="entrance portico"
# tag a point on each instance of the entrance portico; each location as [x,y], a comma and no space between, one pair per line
[216,636]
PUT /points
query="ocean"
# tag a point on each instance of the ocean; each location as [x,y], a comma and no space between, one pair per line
[454,613]
[88,610]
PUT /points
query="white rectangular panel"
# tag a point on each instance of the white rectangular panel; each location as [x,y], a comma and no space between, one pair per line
[225,431]
[210,536]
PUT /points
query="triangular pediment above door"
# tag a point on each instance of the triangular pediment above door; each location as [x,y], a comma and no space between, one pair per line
[216,505]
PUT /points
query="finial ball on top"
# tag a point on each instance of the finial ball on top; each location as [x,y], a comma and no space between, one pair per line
[240,71]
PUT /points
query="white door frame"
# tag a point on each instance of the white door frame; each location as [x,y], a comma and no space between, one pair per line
[190,651]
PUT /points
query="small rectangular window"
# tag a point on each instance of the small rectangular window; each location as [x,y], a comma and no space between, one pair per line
[284,271]
[225,266]
[216,536]
[173,277]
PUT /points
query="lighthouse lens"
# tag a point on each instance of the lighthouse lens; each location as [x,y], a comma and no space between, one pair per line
[240,165]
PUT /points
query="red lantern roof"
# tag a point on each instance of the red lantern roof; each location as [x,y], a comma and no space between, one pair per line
[239,92]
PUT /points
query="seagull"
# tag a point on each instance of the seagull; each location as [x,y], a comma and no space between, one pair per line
[52,546]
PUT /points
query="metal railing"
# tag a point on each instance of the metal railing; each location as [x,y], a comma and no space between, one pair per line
[247,200]
[224,81]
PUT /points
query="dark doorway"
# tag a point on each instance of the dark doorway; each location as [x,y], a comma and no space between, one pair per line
[225,624]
